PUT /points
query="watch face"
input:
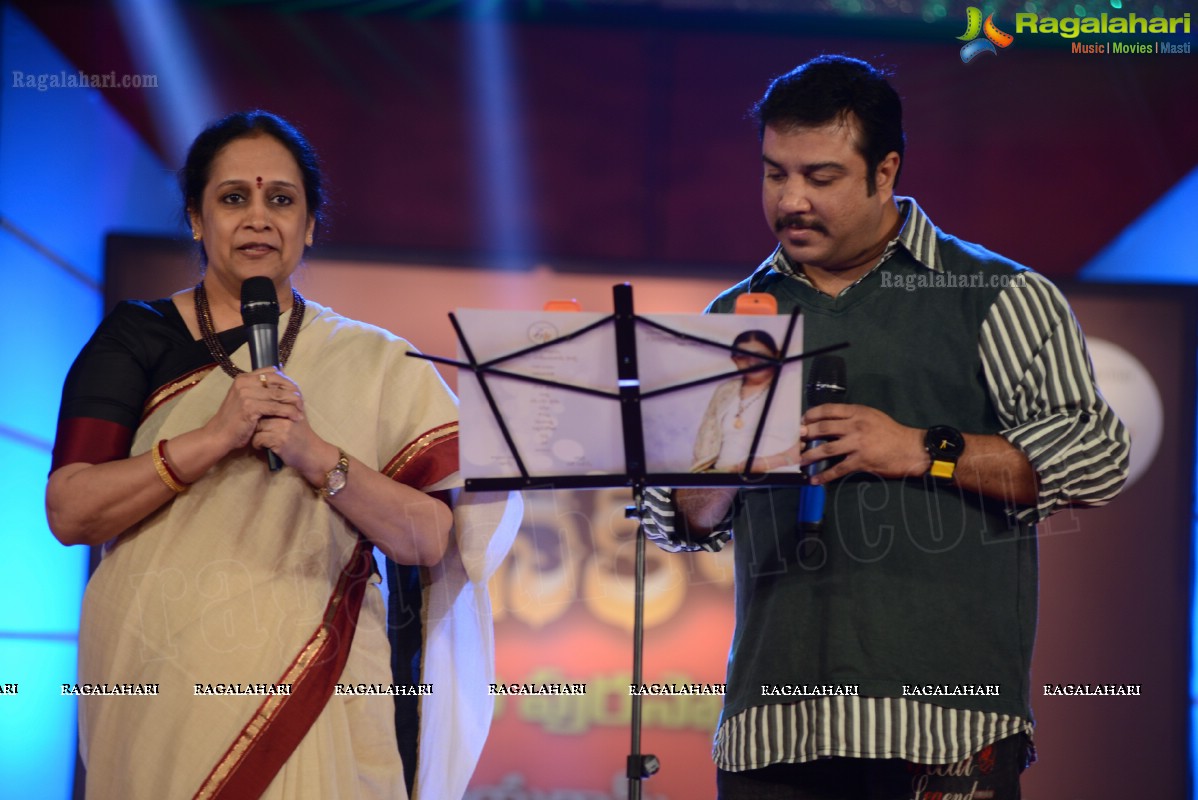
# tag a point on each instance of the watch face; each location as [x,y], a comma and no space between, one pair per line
[944,442]
[335,481]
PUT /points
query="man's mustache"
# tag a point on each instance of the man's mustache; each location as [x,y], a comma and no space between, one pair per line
[797,221]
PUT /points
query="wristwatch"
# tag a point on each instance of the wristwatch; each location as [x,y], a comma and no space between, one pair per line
[944,445]
[334,479]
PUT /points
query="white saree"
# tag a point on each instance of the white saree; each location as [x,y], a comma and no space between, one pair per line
[251,579]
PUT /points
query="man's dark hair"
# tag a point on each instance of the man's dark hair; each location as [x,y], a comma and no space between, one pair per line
[830,88]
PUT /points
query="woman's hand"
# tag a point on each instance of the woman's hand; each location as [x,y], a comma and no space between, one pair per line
[92,503]
[283,427]
[408,525]
[286,432]
[264,409]
[254,397]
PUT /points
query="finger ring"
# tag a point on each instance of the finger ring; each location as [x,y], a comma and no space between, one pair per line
[262,377]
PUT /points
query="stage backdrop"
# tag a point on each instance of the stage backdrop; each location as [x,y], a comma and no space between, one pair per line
[1115,582]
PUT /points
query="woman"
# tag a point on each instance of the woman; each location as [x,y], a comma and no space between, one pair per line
[731,420]
[216,570]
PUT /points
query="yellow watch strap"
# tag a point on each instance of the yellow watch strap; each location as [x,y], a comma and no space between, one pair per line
[943,469]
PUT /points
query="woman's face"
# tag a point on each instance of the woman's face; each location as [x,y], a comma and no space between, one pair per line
[746,362]
[253,217]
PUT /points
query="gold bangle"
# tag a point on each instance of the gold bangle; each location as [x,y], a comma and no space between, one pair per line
[164,470]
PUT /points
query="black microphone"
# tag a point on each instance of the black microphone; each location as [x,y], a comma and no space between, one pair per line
[260,313]
[825,384]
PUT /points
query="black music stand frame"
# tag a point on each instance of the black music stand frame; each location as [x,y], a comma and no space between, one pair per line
[639,765]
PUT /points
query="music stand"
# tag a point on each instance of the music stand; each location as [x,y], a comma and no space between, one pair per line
[634,474]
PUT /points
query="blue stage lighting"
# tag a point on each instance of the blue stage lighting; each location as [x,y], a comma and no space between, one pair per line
[497,145]
[160,47]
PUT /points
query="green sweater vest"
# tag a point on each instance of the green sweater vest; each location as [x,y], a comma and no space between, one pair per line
[911,583]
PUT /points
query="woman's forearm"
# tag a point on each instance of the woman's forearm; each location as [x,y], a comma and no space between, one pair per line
[92,503]
[409,526]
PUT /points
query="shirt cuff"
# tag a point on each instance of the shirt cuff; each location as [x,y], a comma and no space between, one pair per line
[1079,460]
[665,529]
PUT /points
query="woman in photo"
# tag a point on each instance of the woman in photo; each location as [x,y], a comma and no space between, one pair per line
[731,420]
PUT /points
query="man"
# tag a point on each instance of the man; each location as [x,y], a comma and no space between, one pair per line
[889,657]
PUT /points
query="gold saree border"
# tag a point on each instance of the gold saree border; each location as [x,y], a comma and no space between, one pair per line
[281,721]
[174,388]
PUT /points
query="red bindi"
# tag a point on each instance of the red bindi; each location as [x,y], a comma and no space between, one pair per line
[259,181]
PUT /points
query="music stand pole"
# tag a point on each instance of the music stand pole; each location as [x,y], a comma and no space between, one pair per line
[639,766]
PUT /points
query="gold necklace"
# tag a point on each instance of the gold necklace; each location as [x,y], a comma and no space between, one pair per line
[217,350]
[743,405]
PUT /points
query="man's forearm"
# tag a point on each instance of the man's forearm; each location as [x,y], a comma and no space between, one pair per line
[994,467]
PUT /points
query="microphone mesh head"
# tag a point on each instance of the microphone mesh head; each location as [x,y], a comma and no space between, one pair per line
[259,301]
[826,381]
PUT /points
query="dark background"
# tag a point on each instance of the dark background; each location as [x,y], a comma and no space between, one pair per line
[630,120]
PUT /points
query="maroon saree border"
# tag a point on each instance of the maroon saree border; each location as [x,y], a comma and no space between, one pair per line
[427,459]
[251,762]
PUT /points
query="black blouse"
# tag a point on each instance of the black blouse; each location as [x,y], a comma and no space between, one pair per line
[137,349]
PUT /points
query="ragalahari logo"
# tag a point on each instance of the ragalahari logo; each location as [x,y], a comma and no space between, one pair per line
[974,26]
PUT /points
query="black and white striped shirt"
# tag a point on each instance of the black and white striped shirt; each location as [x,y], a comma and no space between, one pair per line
[1041,383]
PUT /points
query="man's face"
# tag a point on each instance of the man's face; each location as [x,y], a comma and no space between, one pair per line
[816,197]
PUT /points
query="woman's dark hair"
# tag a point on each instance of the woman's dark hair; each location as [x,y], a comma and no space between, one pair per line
[761,337]
[198,167]
[830,88]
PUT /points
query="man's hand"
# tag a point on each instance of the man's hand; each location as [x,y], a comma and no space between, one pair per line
[869,440]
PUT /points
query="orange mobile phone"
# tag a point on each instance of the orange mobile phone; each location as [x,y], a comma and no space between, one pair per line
[756,303]
[562,305]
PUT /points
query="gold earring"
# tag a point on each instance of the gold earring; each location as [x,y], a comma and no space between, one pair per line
[195,235]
